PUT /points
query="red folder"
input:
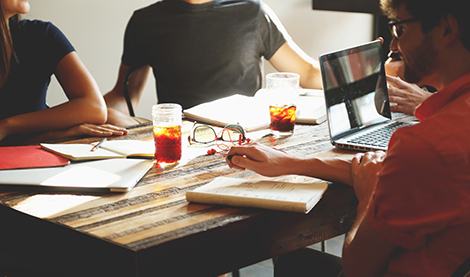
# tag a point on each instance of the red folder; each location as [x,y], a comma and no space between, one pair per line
[13,157]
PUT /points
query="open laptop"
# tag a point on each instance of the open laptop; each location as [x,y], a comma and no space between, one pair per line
[356,97]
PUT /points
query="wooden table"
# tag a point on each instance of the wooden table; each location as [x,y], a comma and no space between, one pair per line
[153,231]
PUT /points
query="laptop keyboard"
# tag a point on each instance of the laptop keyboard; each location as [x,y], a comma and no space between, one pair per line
[379,137]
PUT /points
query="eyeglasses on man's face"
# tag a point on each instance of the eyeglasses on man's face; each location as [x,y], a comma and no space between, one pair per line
[201,133]
[398,27]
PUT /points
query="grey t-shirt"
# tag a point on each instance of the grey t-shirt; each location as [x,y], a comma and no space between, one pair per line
[203,52]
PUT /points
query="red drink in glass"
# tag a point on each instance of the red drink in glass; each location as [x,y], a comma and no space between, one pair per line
[282,118]
[167,143]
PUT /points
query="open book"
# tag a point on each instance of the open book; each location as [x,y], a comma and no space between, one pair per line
[252,113]
[273,195]
[109,149]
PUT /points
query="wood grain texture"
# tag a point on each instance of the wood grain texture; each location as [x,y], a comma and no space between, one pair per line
[153,231]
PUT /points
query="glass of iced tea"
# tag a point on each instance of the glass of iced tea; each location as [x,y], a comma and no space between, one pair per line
[283,91]
[167,120]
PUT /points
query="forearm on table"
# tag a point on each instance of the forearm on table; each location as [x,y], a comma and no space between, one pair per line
[330,169]
[66,115]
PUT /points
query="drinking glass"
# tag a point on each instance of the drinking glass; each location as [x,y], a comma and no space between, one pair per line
[167,121]
[283,92]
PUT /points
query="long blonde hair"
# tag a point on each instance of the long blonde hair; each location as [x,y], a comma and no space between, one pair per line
[6,43]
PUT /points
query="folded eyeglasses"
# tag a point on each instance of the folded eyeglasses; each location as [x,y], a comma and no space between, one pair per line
[201,133]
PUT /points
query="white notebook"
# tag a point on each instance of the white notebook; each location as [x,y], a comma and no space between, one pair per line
[110,175]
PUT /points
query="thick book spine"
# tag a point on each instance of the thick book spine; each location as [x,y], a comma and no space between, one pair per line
[230,200]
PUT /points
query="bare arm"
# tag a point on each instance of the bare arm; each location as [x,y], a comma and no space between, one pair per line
[85,105]
[270,162]
[85,129]
[290,58]
[115,98]
[365,252]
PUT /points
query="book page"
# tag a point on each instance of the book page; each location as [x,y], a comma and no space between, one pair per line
[136,148]
[80,151]
[299,197]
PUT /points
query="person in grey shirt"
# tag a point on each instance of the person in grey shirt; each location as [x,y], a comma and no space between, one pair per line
[202,50]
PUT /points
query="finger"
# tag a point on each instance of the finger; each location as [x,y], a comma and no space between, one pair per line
[234,166]
[356,161]
[394,99]
[395,109]
[392,91]
[94,130]
[235,151]
[113,127]
[98,133]
[380,155]
[396,82]
[398,92]
[110,130]
[243,162]
[252,151]
[367,157]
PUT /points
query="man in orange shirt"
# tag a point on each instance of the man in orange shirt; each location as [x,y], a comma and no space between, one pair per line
[413,213]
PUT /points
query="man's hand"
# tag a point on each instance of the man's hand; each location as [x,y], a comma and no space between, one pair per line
[259,158]
[406,96]
[364,170]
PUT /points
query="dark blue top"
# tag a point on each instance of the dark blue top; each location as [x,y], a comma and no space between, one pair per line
[199,53]
[39,46]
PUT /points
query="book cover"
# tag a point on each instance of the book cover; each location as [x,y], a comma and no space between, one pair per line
[266,194]
[16,157]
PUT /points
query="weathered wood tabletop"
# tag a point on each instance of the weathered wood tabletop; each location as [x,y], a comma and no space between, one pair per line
[153,231]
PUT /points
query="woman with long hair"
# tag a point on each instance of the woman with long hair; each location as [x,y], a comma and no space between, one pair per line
[31,51]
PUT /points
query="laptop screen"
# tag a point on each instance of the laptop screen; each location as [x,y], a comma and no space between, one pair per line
[355,88]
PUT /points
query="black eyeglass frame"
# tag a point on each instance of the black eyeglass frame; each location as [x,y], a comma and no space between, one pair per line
[393,25]
[236,127]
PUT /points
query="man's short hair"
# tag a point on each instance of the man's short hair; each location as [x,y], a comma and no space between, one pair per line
[431,11]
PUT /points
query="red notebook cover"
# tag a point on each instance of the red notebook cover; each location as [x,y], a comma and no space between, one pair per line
[13,157]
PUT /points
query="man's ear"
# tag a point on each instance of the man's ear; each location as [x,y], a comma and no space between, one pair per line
[451,30]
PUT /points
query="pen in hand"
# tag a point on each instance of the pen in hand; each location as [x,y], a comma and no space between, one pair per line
[98,145]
